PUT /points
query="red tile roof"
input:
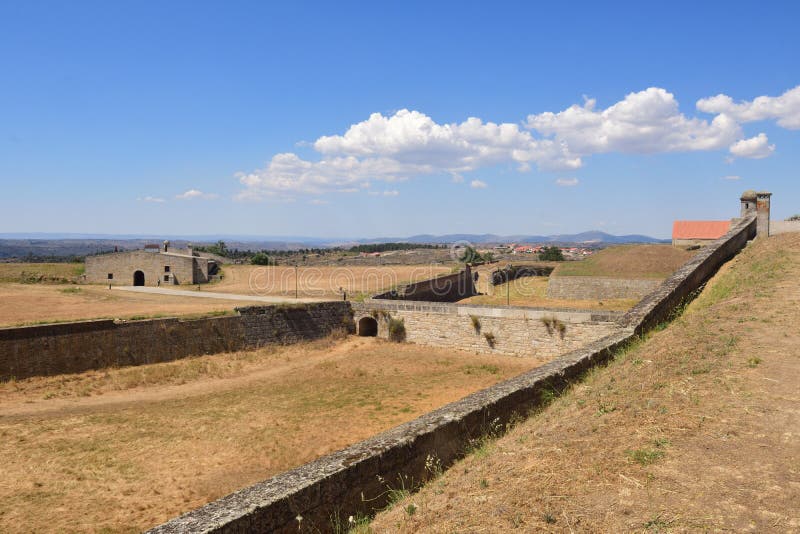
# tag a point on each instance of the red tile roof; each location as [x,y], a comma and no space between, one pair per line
[699,229]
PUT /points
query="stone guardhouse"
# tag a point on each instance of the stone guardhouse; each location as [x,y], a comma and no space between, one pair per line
[151,266]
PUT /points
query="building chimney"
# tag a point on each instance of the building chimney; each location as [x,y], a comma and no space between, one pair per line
[166,246]
[762,213]
[189,248]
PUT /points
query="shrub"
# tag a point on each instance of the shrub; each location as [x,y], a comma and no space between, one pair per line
[551,254]
[260,258]
[490,339]
[397,330]
[553,324]
[476,323]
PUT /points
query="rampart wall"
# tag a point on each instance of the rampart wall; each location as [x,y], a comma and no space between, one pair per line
[81,346]
[349,481]
[519,331]
[446,288]
[598,288]
[783,227]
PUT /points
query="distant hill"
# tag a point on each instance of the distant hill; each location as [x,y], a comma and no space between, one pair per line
[61,245]
[593,236]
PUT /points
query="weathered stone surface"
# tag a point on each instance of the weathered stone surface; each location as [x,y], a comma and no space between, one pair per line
[783,227]
[168,268]
[446,288]
[598,288]
[81,346]
[519,331]
[683,283]
[346,482]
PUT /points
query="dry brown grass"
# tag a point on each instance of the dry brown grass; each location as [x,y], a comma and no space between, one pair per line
[123,450]
[39,303]
[693,430]
[320,282]
[56,272]
[628,261]
[532,291]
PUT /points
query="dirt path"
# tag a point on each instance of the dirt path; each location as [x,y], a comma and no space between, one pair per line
[122,450]
[697,429]
[20,404]
[217,295]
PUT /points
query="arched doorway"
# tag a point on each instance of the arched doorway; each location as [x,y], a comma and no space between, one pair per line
[138,278]
[367,326]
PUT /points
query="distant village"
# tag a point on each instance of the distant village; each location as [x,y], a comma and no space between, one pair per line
[570,253]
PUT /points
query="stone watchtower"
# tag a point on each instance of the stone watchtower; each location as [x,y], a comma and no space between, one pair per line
[758,204]
[748,203]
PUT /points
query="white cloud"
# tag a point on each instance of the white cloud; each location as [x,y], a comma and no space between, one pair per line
[567,182]
[409,144]
[756,147]
[785,109]
[645,122]
[404,145]
[732,177]
[194,193]
[477,184]
[388,193]
[413,139]
[318,202]
[151,199]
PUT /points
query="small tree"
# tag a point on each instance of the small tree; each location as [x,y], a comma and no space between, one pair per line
[551,254]
[470,255]
[260,258]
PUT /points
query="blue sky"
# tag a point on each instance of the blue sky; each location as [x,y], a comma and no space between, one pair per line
[366,119]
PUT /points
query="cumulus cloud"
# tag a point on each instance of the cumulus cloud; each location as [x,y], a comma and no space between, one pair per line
[151,199]
[784,109]
[404,145]
[410,144]
[567,182]
[645,122]
[318,202]
[195,194]
[478,184]
[757,147]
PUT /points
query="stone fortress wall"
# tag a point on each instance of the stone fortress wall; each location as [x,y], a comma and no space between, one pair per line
[783,227]
[598,288]
[350,481]
[347,482]
[519,331]
[54,349]
[446,288]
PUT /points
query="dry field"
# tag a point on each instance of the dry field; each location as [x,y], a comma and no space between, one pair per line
[628,261]
[125,449]
[48,296]
[42,303]
[57,272]
[532,291]
[320,282]
[695,429]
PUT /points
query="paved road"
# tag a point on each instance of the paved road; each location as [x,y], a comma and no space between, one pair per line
[209,295]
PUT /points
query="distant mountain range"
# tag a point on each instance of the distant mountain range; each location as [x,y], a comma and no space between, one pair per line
[591,237]
[44,244]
